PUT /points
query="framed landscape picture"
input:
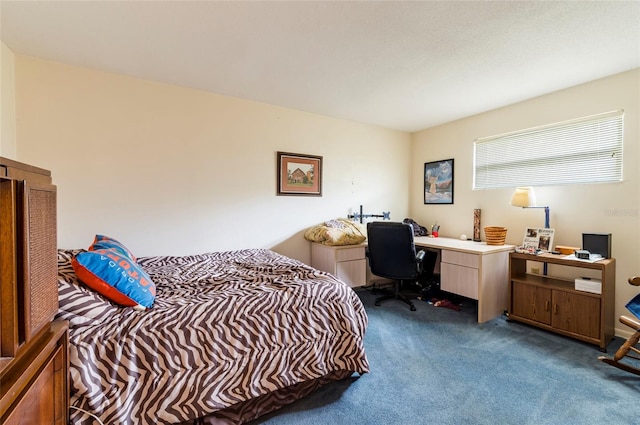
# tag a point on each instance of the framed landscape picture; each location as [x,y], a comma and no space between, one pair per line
[299,174]
[438,182]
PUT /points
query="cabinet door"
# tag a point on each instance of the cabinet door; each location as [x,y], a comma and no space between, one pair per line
[531,302]
[10,338]
[28,250]
[576,313]
[38,257]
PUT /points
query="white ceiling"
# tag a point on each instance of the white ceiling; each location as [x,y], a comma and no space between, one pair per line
[401,65]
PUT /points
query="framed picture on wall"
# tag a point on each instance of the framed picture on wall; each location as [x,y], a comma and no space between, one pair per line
[438,182]
[299,174]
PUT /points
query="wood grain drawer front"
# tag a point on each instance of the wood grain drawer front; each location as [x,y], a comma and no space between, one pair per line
[461,258]
[459,280]
[353,273]
[37,406]
[348,254]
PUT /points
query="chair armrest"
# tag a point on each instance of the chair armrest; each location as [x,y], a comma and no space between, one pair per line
[419,260]
[631,322]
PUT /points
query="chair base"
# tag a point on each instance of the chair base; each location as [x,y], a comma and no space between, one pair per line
[620,365]
[395,295]
[623,351]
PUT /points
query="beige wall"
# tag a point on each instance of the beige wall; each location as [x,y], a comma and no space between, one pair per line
[171,170]
[608,208]
[7,104]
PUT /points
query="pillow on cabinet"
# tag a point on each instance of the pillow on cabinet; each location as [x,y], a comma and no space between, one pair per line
[115,276]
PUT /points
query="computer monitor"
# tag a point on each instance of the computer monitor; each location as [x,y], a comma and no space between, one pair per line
[597,243]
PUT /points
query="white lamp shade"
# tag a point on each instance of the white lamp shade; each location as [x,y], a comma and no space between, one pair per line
[523,197]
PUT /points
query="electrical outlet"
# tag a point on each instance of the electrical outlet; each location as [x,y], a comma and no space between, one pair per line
[535,270]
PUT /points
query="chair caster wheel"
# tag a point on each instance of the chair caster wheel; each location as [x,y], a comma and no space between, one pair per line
[413,308]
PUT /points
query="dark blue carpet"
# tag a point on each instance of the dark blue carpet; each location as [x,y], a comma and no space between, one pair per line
[438,366]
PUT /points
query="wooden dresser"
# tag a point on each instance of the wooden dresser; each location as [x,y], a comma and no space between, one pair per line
[33,349]
[553,302]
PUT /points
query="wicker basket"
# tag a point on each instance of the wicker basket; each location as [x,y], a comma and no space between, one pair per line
[495,235]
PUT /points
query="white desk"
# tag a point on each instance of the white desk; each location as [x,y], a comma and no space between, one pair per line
[474,270]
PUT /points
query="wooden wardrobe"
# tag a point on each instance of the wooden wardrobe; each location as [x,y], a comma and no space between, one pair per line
[33,348]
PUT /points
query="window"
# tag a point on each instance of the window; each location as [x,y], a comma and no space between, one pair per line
[584,150]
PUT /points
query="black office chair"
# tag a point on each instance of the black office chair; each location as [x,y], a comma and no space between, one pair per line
[392,254]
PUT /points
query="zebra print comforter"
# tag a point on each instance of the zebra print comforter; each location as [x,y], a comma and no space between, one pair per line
[231,336]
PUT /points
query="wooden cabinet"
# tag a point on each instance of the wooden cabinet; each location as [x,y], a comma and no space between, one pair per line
[553,303]
[348,263]
[33,350]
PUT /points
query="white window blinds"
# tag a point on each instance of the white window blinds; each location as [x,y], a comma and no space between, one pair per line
[584,150]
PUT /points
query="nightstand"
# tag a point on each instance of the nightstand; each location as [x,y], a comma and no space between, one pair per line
[346,262]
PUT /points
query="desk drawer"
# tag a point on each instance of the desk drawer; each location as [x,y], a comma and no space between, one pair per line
[352,253]
[459,280]
[461,258]
[353,273]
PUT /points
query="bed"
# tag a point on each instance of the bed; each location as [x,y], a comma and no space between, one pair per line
[231,336]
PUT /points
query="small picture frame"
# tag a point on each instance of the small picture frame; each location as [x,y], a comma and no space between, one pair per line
[438,182]
[299,174]
[538,239]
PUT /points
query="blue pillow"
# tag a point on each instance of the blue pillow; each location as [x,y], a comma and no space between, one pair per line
[106,242]
[115,276]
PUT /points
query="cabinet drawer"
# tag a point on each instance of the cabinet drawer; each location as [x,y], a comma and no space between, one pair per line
[459,280]
[351,253]
[461,258]
[353,273]
[40,404]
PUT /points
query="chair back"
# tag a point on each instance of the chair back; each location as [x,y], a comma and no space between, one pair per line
[391,251]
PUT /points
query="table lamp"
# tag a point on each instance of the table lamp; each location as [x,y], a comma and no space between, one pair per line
[525,197]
